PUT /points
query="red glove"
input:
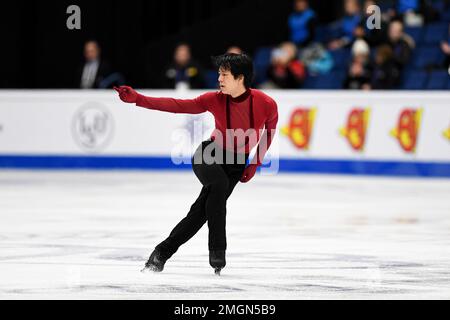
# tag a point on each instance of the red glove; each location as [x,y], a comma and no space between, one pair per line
[127,94]
[249,172]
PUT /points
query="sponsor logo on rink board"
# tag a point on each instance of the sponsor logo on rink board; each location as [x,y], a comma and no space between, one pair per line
[300,127]
[446,133]
[407,130]
[355,129]
[92,127]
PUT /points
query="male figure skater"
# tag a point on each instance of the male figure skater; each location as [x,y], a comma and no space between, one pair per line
[219,163]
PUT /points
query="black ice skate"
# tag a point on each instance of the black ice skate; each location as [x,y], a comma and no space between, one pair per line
[156,262]
[217,260]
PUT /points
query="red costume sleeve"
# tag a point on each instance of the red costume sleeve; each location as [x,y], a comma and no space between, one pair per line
[267,136]
[191,106]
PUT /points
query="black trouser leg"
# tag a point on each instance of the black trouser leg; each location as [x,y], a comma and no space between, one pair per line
[215,179]
[218,184]
[187,227]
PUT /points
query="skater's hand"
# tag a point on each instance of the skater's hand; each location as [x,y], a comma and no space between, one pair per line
[127,94]
[249,172]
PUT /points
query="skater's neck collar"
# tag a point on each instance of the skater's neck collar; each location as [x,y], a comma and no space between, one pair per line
[242,97]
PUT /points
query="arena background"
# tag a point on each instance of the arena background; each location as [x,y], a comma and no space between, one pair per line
[138,39]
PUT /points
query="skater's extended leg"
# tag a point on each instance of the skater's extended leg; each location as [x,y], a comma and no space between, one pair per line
[194,220]
[187,227]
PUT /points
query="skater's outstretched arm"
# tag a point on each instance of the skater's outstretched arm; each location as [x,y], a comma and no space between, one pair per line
[190,106]
[263,145]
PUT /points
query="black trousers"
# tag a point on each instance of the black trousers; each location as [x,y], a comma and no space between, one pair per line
[218,179]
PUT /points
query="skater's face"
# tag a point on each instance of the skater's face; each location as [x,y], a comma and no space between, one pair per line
[228,84]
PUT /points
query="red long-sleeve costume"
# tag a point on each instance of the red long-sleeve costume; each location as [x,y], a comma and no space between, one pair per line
[253,109]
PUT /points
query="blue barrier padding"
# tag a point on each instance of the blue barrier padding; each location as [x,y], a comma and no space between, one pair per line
[357,167]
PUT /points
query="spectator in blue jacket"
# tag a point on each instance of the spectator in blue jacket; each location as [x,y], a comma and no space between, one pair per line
[302,23]
[404,6]
[348,25]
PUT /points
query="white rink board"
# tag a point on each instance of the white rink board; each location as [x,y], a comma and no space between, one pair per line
[44,122]
[385,108]
[97,124]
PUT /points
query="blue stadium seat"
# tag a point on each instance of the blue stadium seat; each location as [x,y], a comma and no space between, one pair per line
[414,80]
[322,34]
[310,82]
[427,56]
[342,58]
[262,61]
[384,6]
[416,33]
[331,81]
[445,16]
[334,30]
[436,32]
[439,80]
[438,5]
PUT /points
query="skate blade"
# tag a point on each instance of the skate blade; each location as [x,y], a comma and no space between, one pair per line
[145,270]
[217,272]
[150,269]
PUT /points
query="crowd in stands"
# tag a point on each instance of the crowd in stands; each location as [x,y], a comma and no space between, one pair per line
[408,47]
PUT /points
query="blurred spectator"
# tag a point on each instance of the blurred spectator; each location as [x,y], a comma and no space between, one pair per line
[385,74]
[94,70]
[235,50]
[359,73]
[317,59]
[408,11]
[302,23]
[347,26]
[358,77]
[401,43]
[361,52]
[285,71]
[374,37]
[445,47]
[414,13]
[184,72]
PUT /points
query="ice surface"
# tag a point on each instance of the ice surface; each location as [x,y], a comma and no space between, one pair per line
[86,235]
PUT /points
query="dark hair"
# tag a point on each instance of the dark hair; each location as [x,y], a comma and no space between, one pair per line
[237,64]
[384,52]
